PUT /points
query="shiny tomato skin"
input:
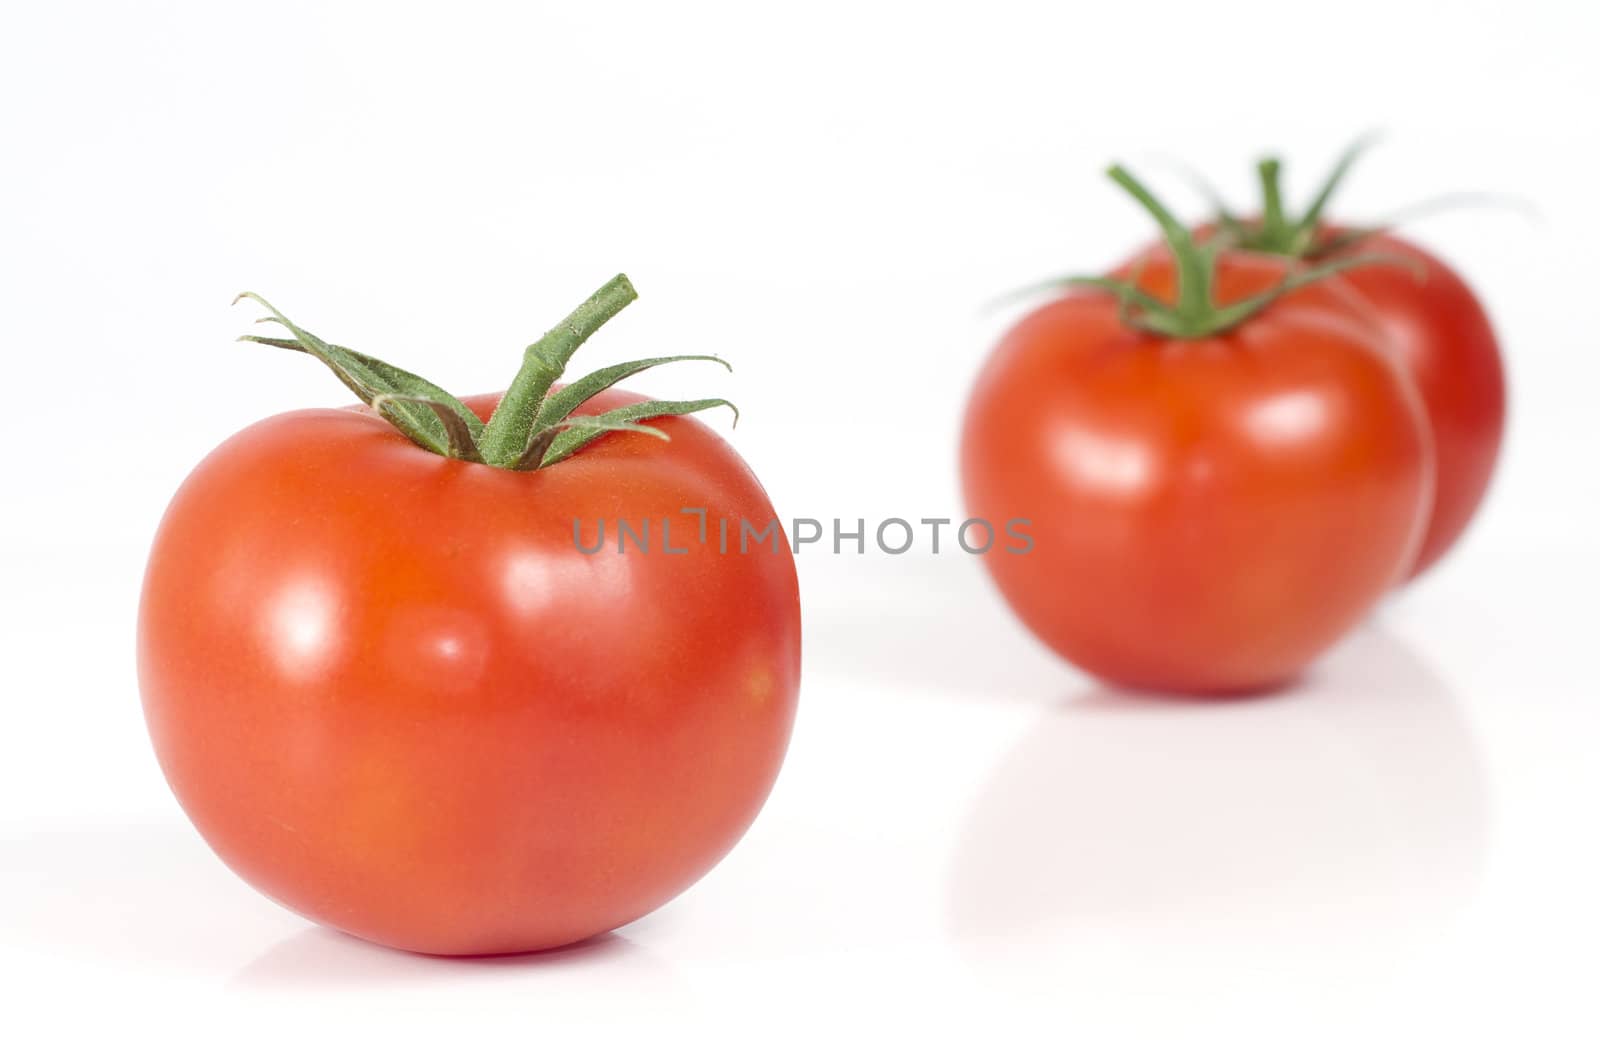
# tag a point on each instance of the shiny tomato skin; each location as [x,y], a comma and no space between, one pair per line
[393,695]
[1440,331]
[1209,514]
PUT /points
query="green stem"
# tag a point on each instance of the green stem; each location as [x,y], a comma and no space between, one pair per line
[1274,222]
[1194,273]
[1306,231]
[530,428]
[1194,314]
[505,437]
[1275,232]
[459,443]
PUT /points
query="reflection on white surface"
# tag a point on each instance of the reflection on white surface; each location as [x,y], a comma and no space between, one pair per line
[152,900]
[924,624]
[1312,833]
[319,958]
[140,898]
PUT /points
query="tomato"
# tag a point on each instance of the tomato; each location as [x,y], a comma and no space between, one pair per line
[1210,511]
[394,695]
[1440,332]
[1432,321]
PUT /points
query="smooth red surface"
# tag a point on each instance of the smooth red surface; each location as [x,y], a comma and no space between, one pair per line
[1439,329]
[1209,514]
[1441,333]
[393,695]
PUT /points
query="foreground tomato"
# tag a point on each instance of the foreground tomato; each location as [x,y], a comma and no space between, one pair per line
[1220,486]
[394,695]
[1434,324]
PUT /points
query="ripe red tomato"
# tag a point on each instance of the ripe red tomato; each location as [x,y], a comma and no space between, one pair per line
[1209,513]
[394,695]
[1433,323]
[1438,329]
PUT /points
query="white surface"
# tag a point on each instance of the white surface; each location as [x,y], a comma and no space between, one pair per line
[973,852]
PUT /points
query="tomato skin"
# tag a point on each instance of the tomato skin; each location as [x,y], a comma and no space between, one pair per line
[1440,331]
[1210,514]
[394,696]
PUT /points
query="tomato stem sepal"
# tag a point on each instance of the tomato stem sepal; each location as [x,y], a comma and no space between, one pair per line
[1275,232]
[1310,237]
[1194,312]
[533,426]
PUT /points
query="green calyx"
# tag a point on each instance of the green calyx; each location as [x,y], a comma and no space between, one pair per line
[532,427]
[1194,314]
[1275,232]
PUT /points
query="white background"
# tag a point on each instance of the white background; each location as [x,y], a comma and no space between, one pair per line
[973,852]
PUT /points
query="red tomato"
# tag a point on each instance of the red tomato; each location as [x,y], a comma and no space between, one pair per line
[1209,514]
[393,695]
[1431,320]
[1439,330]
